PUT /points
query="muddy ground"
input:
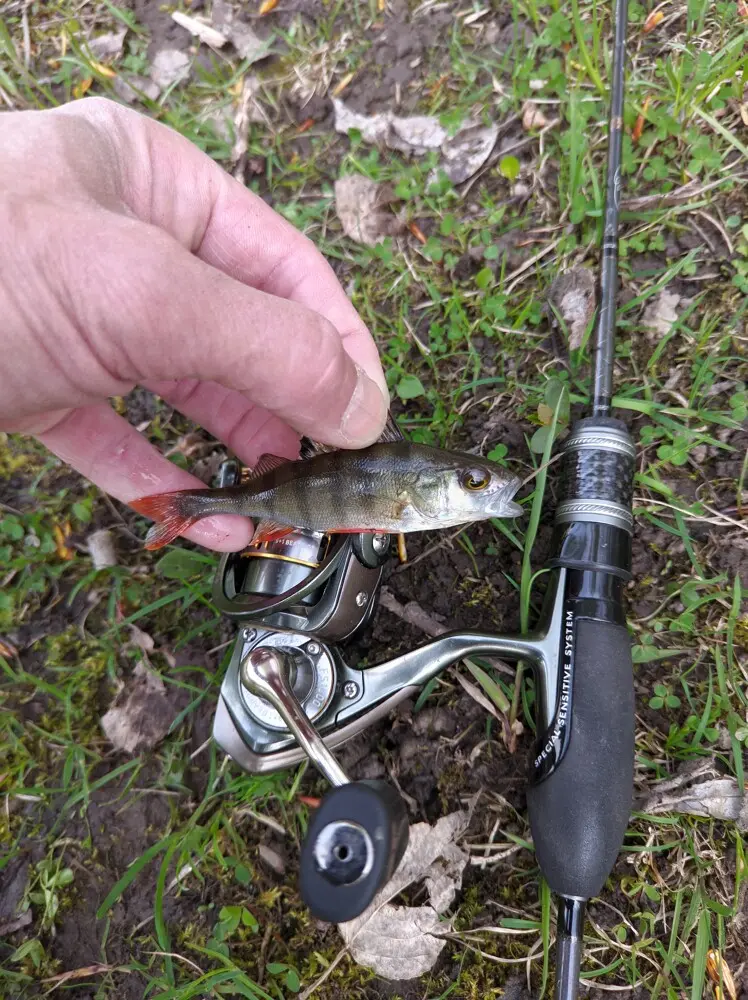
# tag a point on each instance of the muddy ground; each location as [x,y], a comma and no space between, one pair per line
[438,757]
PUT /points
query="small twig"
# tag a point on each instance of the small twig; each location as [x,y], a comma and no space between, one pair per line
[203,746]
[516,276]
[670,198]
[267,820]
[263,952]
[432,548]
[182,958]
[720,229]
[412,613]
[26,37]
[318,982]
[402,551]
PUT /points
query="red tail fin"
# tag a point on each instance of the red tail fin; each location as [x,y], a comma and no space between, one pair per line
[168,510]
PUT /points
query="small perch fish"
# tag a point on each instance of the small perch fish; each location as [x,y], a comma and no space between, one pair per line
[392,486]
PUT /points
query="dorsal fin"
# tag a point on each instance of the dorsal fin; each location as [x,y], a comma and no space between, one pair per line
[309,448]
[391,432]
[266,463]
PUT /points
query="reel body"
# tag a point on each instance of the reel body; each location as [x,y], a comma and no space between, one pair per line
[289,693]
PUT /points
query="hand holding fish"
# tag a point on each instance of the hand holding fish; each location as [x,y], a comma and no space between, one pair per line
[128,257]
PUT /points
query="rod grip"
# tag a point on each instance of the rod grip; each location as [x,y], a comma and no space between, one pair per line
[579,813]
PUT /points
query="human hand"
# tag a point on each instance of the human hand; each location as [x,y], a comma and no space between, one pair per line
[127,256]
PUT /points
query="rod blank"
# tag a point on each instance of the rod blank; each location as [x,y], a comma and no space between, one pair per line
[606,319]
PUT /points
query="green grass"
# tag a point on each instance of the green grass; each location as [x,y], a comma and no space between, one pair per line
[462,332]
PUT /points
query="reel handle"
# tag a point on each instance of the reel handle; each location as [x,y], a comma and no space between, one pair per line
[359,833]
[355,841]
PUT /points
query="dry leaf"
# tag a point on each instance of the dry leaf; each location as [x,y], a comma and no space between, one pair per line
[418,135]
[660,314]
[718,798]
[101,549]
[340,87]
[169,66]
[532,117]
[140,715]
[83,973]
[61,534]
[639,126]
[744,107]
[103,70]
[373,128]
[461,154]
[573,296]
[243,37]
[82,87]
[272,859]
[467,151]
[131,89]
[200,29]
[142,639]
[652,21]
[15,924]
[248,110]
[360,204]
[7,649]
[108,46]
[719,973]
[247,43]
[403,942]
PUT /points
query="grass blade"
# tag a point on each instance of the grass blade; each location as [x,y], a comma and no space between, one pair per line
[699,956]
[532,531]
[131,874]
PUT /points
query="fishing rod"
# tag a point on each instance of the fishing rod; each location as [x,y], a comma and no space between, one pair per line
[289,694]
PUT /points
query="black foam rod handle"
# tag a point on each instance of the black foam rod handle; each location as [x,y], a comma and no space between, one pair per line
[579,814]
[355,841]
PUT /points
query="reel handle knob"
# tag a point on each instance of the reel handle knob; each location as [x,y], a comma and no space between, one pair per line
[355,841]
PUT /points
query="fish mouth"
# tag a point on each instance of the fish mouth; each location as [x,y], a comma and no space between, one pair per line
[504,506]
[512,509]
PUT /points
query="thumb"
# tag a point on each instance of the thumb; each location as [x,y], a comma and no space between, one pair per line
[163,313]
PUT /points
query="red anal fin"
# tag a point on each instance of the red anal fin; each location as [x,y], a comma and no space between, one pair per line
[267,531]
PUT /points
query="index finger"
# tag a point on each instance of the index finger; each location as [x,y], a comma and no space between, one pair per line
[168,182]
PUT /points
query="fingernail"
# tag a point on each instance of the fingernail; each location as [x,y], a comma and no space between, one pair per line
[366,413]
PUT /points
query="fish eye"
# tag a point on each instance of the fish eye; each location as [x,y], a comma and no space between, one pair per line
[475,479]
